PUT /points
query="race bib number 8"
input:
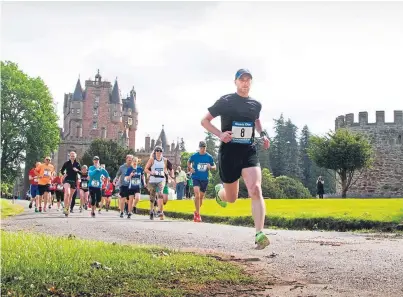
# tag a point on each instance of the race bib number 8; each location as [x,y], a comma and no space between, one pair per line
[95,183]
[242,132]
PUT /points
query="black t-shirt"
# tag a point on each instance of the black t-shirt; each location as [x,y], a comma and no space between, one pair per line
[238,114]
[68,168]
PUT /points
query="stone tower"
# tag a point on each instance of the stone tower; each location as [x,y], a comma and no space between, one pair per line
[385,179]
[98,111]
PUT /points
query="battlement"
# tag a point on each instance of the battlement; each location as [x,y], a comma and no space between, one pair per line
[348,119]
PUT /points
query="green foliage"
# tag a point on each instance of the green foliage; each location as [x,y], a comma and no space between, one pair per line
[212,148]
[6,187]
[29,129]
[292,188]
[9,209]
[110,153]
[270,189]
[343,151]
[309,171]
[284,149]
[72,267]
[328,214]
[184,159]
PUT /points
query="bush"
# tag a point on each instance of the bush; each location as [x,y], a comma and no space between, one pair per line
[292,188]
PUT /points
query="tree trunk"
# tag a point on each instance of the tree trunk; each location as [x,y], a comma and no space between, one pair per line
[343,177]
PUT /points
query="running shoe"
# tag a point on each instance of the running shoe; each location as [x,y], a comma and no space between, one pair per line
[30,205]
[217,189]
[261,240]
[121,214]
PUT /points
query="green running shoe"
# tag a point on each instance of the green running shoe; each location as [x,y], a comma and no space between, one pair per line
[261,240]
[217,189]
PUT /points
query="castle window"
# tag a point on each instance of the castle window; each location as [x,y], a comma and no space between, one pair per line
[94,125]
[72,110]
[129,110]
[97,99]
[115,113]
[78,111]
[129,121]
[399,139]
[95,111]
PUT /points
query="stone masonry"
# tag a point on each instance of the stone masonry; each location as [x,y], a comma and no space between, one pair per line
[99,111]
[385,178]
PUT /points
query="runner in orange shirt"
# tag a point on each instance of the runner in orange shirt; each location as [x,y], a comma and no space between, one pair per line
[45,172]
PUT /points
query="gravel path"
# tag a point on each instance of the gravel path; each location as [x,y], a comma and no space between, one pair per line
[297,263]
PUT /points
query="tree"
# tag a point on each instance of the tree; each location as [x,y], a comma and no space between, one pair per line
[182,146]
[284,149]
[28,121]
[110,153]
[277,150]
[212,148]
[184,159]
[291,149]
[343,151]
[263,154]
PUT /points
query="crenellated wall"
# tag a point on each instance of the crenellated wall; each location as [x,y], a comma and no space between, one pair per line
[385,178]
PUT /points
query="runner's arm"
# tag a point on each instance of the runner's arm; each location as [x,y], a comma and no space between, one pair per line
[258,127]
[91,171]
[206,123]
[148,166]
[63,168]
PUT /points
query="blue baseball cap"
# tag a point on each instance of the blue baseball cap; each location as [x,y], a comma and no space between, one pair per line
[241,72]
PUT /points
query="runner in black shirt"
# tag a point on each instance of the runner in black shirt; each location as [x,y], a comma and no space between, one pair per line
[70,170]
[237,154]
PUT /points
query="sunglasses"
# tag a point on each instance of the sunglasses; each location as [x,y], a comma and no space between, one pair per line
[47,159]
[158,151]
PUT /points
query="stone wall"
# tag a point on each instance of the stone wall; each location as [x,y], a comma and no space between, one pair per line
[385,178]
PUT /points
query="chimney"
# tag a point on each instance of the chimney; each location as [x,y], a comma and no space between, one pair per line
[147,144]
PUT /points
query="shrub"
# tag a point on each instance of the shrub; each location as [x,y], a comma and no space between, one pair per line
[292,188]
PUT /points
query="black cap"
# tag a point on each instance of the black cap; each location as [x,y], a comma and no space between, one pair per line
[159,148]
[202,143]
[241,72]
[95,158]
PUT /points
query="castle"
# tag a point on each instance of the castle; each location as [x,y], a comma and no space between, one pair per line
[385,178]
[171,151]
[99,111]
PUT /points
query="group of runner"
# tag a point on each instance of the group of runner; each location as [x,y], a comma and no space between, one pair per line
[240,119]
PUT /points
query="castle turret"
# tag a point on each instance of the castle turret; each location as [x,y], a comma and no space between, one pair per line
[172,146]
[384,178]
[115,104]
[152,144]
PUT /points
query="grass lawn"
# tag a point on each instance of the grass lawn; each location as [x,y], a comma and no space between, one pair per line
[9,209]
[41,265]
[294,212]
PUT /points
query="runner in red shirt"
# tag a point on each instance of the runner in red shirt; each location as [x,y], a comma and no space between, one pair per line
[33,189]
[107,195]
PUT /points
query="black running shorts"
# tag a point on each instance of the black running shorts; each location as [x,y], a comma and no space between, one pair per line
[233,158]
[42,189]
[95,194]
[72,183]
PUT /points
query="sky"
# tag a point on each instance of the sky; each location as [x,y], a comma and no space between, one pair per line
[311,61]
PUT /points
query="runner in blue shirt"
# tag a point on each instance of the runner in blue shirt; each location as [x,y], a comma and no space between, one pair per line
[202,162]
[135,176]
[95,173]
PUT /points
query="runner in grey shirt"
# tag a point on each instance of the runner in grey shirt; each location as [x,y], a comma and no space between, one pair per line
[124,184]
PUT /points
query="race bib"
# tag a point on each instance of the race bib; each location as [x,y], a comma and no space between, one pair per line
[136,181]
[84,184]
[95,183]
[160,171]
[60,187]
[46,173]
[242,132]
[202,167]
